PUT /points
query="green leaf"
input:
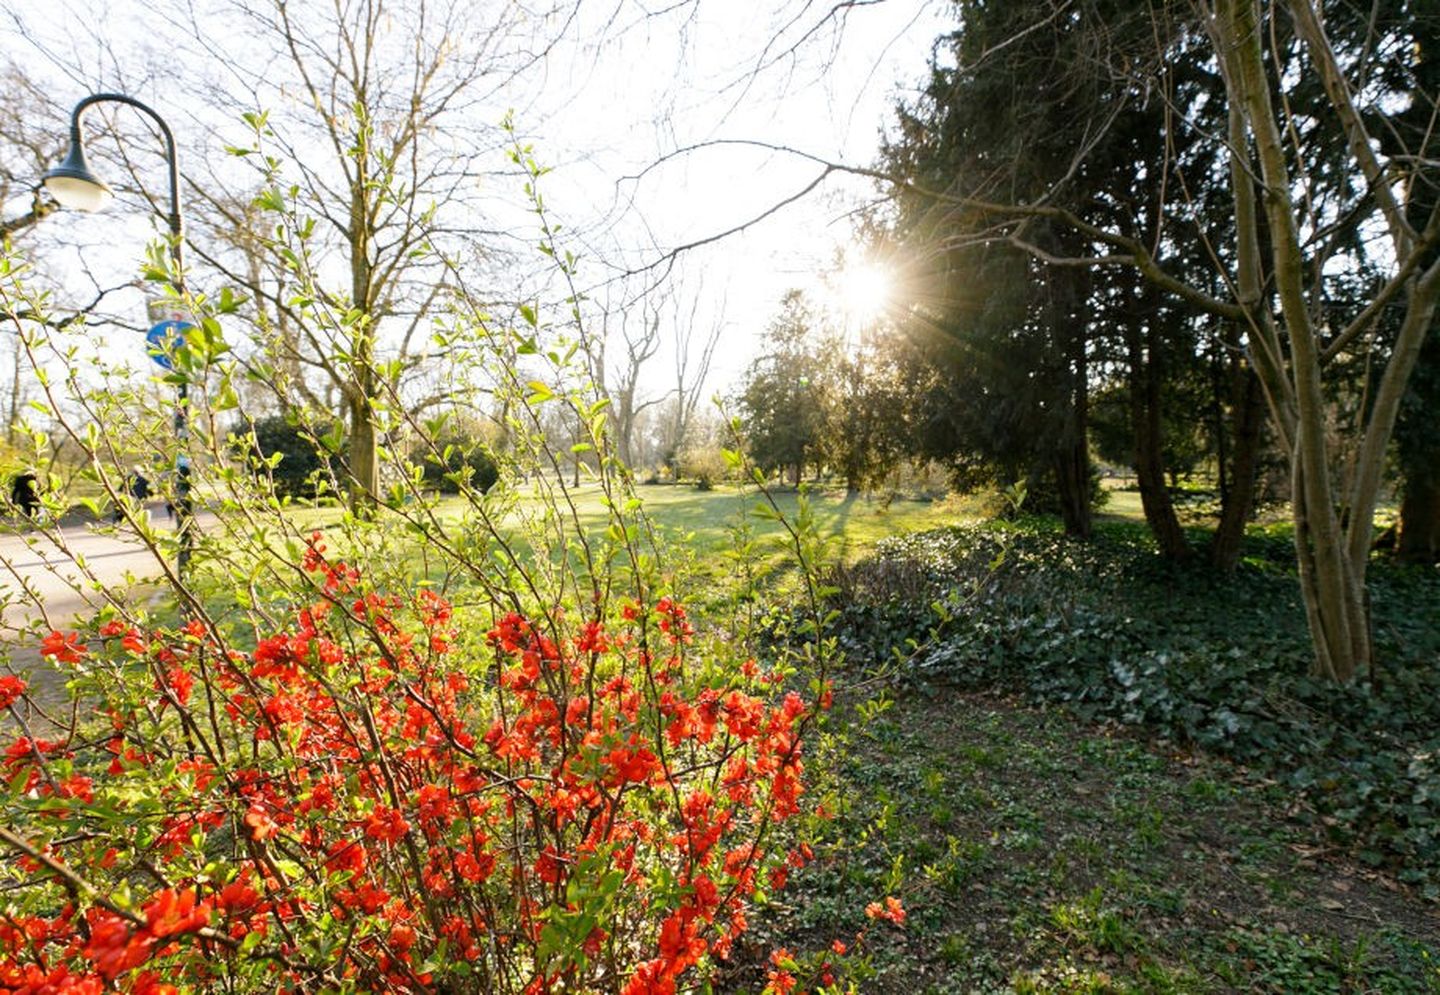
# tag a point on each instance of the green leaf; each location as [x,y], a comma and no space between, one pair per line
[270,199]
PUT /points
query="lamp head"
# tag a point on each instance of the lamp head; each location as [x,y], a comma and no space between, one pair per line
[74,185]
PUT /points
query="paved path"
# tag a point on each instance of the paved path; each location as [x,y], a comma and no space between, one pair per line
[49,571]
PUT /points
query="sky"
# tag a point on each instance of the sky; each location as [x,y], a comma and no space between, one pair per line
[654,125]
[829,99]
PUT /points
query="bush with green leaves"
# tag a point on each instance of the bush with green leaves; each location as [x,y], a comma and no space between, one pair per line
[453,460]
[287,452]
[705,465]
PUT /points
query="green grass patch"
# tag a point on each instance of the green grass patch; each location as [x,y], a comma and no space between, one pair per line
[1076,858]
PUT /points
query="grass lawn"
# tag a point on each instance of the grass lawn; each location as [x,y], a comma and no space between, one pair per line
[704,518]
[700,526]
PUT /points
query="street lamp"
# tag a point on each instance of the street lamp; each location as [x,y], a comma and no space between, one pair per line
[75,186]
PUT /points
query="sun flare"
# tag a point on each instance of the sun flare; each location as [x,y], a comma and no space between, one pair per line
[864,291]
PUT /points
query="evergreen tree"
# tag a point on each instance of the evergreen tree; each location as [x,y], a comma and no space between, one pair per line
[786,392]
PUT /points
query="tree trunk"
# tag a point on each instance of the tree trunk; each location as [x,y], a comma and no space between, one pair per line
[1072,478]
[1332,581]
[1072,456]
[1417,438]
[364,467]
[1419,540]
[1149,459]
[1237,497]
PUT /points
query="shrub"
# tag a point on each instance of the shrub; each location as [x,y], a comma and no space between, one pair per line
[455,459]
[703,464]
[1220,661]
[323,775]
[368,802]
[289,455]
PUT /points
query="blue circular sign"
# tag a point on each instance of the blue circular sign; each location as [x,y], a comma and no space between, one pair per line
[162,339]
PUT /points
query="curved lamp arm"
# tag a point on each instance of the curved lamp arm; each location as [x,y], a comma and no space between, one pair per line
[68,180]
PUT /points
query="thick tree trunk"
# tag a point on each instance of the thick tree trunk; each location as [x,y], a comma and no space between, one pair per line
[625,428]
[1332,581]
[1149,458]
[1332,588]
[1072,478]
[1419,540]
[364,467]
[1237,498]
[1417,437]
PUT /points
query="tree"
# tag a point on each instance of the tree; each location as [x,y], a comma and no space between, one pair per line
[785,393]
[1411,132]
[1333,524]
[1294,216]
[866,429]
[26,150]
[635,328]
[694,346]
[1418,448]
[367,124]
[1005,120]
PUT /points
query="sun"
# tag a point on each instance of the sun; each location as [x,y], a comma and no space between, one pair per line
[864,290]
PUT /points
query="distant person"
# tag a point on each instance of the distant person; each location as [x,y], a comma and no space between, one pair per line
[138,488]
[24,494]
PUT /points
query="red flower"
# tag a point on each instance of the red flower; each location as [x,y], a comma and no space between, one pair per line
[32,979]
[170,912]
[592,639]
[650,979]
[346,856]
[891,910]
[11,689]
[630,764]
[178,681]
[433,609]
[149,983]
[262,827]
[237,897]
[63,647]
[386,825]
[782,982]
[433,804]
[113,949]
[314,553]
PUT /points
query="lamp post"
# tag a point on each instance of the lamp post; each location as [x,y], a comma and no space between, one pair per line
[75,186]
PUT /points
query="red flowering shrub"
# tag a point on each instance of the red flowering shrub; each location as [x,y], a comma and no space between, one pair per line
[358,805]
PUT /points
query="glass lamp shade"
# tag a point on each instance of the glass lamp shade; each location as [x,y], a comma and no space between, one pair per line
[74,186]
